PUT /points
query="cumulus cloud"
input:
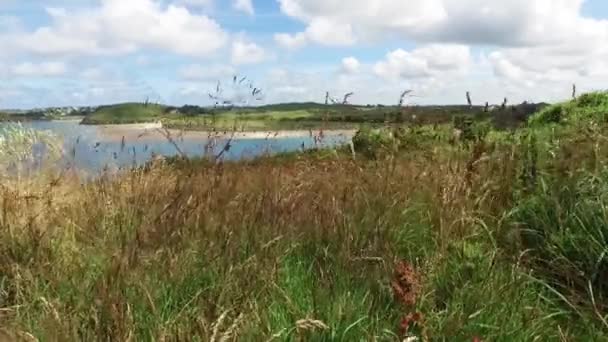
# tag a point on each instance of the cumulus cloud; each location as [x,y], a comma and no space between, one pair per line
[322,31]
[350,65]
[428,61]
[291,42]
[515,22]
[118,27]
[246,52]
[198,72]
[45,69]
[195,3]
[244,6]
[287,84]
[531,41]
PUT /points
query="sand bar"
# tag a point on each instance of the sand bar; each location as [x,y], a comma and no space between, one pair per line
[146,132]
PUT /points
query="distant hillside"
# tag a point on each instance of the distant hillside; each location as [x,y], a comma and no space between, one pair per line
[305,114]
[125,113]
[291,106]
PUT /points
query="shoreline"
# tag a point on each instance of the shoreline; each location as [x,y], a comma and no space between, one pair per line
[147,132]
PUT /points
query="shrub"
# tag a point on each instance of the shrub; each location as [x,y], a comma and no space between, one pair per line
[595,99]
[588,107]
[371,142]
[551,114]
[472,130]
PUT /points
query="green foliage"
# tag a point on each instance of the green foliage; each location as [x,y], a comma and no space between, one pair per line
[17,145]
[126,113]
[465,125]
[282,116]
[529,169]
[505,234]
[565,228]
[591,100]
[472,130]
[481,129]
[373,142]
[587,107]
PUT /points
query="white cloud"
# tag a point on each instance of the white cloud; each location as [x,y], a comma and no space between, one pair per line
[428,61]
[244,5]
[245,52]
[119,27]
[93,74]
[291,42]
[195,3]
[350,65]
[514,22]
[547,73]
[326,32]
[74,93]
[45,69]
[288,85]
[197,72]
[322,31]
[532,49]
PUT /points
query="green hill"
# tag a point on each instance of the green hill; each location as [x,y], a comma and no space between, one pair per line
[587,107]
[125,113]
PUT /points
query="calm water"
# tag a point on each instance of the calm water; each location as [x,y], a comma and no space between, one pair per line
[94,148]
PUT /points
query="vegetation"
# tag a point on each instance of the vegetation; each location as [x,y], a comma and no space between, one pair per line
[293,116]
[9,117]
[591,106]
[427,235]
[45,114]
[125,113]
[21,147]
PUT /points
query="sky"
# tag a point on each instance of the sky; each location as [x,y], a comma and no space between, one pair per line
[92,52]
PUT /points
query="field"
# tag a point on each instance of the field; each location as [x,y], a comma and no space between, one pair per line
[452,231]
[125,114]
[294,116]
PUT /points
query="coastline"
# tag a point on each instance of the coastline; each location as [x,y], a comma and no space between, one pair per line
[155,131]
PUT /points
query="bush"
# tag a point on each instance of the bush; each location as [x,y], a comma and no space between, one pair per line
[551,114]
[371,142]
[588,107]
[472,130]
[595,99]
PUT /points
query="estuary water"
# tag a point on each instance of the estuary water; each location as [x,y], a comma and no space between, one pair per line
[98,148]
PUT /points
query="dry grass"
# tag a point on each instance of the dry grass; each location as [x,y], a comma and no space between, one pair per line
[295,249]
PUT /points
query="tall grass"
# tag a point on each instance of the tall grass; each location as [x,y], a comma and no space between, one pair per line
[21,148]
[496,239]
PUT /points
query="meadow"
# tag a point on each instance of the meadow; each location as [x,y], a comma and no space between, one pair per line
[416,234]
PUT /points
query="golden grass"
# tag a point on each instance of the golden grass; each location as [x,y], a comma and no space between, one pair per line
[285,249]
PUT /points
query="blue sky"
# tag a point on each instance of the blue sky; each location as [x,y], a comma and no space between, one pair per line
[60,52]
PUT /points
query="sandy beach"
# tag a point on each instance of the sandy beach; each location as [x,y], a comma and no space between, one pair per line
[155,131]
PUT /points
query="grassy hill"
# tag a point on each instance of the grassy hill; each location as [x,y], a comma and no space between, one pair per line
[300,115]
[126,113]
[591,106]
